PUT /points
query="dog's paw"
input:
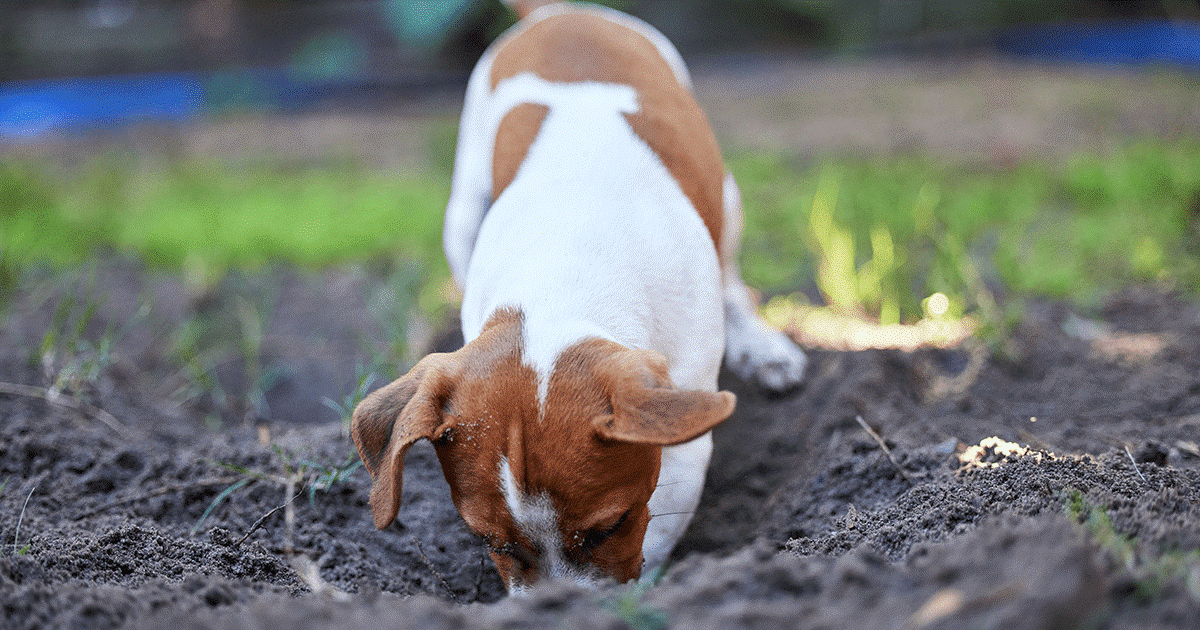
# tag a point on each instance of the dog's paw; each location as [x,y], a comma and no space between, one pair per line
[758,353]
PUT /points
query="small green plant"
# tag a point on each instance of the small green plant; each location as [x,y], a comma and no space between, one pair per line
[259,377]
[68,357]
[313,475]
[629,606]
[224,494]
[1150,572]
[396,305]
[326,475]
[199,357]
[364,377]
[203,343]
[876,286]
[306,474]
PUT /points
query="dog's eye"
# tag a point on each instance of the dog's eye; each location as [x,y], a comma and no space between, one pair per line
[526,559]
[595,537]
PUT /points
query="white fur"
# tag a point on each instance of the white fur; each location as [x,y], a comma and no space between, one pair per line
[558,244]
[680,481]
[536,517]
[595,238]
[471,184]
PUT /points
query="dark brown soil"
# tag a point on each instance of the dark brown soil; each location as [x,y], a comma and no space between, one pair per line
[806,522]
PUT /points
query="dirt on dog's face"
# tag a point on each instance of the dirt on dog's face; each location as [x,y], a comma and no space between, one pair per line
[548,495]
[555,487]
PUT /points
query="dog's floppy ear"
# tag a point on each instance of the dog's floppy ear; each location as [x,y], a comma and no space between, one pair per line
[395,416]
[647,409]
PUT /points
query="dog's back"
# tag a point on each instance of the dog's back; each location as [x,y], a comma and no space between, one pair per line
[595,45]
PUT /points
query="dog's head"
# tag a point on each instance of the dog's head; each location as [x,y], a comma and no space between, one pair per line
[556,483]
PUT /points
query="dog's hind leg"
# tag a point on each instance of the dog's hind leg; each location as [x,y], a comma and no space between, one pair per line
[753,350]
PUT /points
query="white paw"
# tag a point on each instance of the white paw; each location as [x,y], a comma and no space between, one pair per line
[756,352]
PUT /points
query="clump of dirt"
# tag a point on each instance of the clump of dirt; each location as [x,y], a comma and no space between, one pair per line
[1060,487]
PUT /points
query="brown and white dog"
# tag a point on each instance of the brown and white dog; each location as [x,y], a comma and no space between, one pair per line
[594,232]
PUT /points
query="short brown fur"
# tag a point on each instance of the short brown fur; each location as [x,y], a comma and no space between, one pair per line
[518,129]
[391,419]
[573,47]
[608,409]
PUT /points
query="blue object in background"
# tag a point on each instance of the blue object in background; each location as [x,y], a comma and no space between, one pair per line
[1140,42]
[30,108]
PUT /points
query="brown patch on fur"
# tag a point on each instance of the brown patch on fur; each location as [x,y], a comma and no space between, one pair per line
[479,405]
[573,47]
[518,129]
[414,406]
[525,7]
[595,481]
[495,391]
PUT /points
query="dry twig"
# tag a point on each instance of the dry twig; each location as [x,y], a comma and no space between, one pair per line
[886,451]
[262,519]
[433,570]
[1135,466]
[57,397]
[310,574]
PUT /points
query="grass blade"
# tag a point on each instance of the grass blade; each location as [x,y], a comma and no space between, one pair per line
[220,497]
[17,533]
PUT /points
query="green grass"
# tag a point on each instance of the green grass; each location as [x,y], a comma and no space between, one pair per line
[204,218]
[1151,571]
[880,234]
[909,226]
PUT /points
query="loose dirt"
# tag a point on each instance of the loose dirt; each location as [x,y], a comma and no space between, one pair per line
[116,509]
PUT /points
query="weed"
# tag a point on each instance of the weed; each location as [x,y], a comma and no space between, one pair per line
[876,285]
[1151,573]
[395,306]
[364,377]
[197,376]
[629,606]
[203,344]
[304,473]
[71,360]
[327,475]
[221,496]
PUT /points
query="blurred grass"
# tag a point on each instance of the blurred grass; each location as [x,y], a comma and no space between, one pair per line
[909,227]
[205,218]
[889,231]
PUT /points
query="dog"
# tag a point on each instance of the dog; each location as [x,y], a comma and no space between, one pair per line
[593,230]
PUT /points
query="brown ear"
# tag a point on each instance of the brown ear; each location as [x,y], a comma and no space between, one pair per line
[395,416]
[648,410]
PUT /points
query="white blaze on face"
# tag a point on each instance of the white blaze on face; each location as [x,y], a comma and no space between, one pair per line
[537,519]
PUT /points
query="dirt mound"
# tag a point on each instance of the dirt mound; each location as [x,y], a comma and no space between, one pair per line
[141,490]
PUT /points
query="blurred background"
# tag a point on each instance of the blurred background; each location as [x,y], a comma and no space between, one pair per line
[249,193]
[69,64]
[902,161]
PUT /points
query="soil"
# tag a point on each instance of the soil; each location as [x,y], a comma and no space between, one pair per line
[152,433]
[1084,513]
